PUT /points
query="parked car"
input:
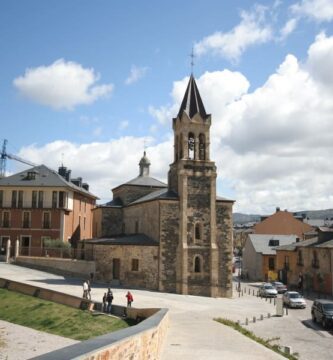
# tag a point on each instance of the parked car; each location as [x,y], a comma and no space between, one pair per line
[322,312]
[267,290]
[293,299]
[279,286]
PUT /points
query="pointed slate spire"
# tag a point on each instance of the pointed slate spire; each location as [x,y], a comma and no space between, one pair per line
[192,102]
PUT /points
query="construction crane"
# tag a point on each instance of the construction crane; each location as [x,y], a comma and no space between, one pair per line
[3,159]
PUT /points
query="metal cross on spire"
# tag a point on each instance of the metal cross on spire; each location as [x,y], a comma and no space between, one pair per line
[192,56]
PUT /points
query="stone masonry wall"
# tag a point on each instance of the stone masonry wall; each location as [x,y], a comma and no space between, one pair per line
[169,237]
[145,277]
[146,215]
[112,219]
[224,243]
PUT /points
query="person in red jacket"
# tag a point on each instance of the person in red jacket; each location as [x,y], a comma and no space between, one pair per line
[129,297]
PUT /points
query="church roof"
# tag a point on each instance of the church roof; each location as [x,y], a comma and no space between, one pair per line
[134,239]
[161,194]
[192,103]
[146,181]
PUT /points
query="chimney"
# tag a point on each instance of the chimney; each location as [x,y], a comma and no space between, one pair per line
[68,175]
[62,171]
[85,186]
[277,209]
[297,239]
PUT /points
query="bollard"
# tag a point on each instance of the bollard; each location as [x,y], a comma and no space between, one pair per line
[238,293]
[270,300]
[265,298]
[274,301]
[242,293]
[268,315]
[246,321]
[286,310]
[261,317]
[253,292]
[254,319]
[287,350]
[249,291]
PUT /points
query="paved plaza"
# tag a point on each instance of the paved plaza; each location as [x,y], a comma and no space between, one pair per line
[192,329]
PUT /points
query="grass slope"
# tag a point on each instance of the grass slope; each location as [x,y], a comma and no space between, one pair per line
[55,318]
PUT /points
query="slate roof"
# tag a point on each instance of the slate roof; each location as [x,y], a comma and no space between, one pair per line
[135,239]
[313,242]
[44,177]
[145,181]
[261,242]
[192,103]
[161,194]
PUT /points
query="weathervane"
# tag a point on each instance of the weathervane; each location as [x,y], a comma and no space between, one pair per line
[192,56]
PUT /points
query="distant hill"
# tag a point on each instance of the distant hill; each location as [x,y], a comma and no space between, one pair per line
[240,218]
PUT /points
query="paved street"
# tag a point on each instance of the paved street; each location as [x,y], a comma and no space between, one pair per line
[192,329]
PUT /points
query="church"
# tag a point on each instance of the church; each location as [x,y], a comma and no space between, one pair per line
[174,237]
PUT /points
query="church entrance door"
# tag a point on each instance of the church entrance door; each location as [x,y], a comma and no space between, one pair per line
[116,269]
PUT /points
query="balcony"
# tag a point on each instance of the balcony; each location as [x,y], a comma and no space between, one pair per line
[26,224]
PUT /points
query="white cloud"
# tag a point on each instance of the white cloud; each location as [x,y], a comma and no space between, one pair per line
[319,10]
[288,28]
[123,125]
[273,146]
[61,85]
[136,74]
[253,29]
[104,165]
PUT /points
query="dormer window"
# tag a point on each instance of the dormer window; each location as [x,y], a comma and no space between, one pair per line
[31,175]
[274,242]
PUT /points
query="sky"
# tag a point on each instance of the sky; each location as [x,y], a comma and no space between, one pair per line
[91,84]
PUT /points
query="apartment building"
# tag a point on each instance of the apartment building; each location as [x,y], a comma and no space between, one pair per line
[40,204]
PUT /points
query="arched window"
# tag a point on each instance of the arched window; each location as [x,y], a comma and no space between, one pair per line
[176,148]
[202,147]
[197,264]
[191,146]
[181,153]
[197,232]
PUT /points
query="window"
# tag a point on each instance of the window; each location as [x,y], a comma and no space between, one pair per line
[14,199]
[300,258]
[6,219]
[54,199]
[46,220]
[63,200]
[135,264]
[20,199]
[202,147]
[273,242]
[85,206]
[40,199]
[191,146]
[84,223]
[136,226]
[181,153]
[79,220]
[286,262]
[26,219]
[197,264]
[197,232]
[34,199]
[315,261]
[1,198]
[271,263]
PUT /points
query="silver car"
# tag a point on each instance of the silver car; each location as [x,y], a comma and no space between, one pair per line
[267,290]
[293,299]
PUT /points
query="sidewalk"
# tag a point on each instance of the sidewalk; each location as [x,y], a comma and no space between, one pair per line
[192,332]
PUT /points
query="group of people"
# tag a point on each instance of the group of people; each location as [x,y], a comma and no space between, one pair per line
[107,297]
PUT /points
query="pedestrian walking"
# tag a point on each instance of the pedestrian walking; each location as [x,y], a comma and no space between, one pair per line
[130,299]
[104,303]
[89,290]
[109,299]
[85,290]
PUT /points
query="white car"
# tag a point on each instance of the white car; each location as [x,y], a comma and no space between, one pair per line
[267,290]
[293,299]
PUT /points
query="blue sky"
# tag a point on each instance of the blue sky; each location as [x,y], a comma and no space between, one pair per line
[88,83]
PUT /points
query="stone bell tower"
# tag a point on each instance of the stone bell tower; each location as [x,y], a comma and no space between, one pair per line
[192,176]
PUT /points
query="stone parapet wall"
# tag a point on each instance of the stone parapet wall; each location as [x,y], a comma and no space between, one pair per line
[46,294]
[139,342]
[71,267]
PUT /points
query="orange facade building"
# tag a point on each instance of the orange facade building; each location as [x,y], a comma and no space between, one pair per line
[41,204]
